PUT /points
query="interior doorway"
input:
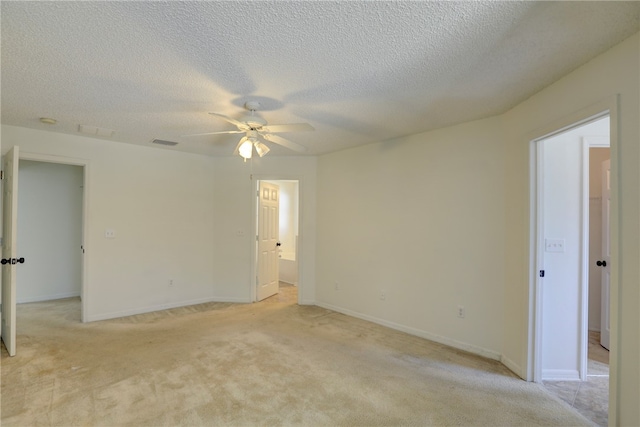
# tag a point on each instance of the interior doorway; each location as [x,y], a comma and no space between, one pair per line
[289,240]
[11,163]
[73,178]
[570,299]
[50,231]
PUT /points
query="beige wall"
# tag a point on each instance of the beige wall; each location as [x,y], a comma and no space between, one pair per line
[420,219]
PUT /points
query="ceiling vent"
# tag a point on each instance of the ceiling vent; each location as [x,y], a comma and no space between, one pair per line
[163,142]
[96,131]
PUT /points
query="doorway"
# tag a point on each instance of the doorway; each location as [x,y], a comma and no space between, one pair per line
[74,172]
[11,162]
[288,250]
[49,231]
[570,307]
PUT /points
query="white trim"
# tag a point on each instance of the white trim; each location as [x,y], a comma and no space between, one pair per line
[48,158]
[560,375]
[160,307]
[583,339]
[490,354]
[539,257]
[597,141]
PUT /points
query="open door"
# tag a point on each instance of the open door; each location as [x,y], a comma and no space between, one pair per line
[605,262]
[268,244]
[9,262]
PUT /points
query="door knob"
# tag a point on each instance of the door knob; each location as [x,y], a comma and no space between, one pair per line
[12,261]
[601,263]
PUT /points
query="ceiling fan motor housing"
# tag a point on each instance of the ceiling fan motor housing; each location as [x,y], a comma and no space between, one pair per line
[254,122]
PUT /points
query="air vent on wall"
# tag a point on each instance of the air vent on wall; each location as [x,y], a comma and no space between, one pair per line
[163,142]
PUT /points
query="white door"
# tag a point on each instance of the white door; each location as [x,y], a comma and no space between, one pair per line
[605,262]
[10,219]
[268,235]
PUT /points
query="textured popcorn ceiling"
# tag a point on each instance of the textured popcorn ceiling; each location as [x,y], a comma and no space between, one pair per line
[358,71]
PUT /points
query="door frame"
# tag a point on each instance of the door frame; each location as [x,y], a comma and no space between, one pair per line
[84,163]
[596,111]
[255,183]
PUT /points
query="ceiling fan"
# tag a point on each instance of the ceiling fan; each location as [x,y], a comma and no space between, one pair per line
[255,128]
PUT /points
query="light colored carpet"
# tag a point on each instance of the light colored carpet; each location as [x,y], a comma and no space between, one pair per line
[270,363]
[591,397]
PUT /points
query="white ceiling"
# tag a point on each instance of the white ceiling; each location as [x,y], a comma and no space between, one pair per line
[358,71]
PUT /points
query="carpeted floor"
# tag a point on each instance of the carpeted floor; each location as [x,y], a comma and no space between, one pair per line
[591,397]
[269,363]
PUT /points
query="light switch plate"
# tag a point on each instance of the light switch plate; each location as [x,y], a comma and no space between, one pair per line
[554,245]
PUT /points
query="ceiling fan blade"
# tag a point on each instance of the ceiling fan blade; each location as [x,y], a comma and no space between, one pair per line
[284,142]
[237,150]
[293,127]
[240,125]
[215,133]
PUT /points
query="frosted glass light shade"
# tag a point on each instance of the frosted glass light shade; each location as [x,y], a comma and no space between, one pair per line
[245,149]
[261,148]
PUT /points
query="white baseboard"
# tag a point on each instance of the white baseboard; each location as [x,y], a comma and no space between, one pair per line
[133,312]
[417,332]
[560,375]
[40,298]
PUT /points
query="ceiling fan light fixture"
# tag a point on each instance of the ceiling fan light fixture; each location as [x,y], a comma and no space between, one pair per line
[246,149]
[261,148]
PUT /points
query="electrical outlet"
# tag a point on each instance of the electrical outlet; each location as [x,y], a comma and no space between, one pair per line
[461,311]
[110,233]
[336,286]
[383,295]
[171,283]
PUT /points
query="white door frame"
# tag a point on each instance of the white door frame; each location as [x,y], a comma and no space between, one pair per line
[84,163]
[255,179]
[534,354]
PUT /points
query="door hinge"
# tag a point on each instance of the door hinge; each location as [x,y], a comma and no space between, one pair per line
[541,273]
[256,238]
[1,174]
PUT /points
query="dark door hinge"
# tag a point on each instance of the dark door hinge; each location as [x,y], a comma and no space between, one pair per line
[541,273]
